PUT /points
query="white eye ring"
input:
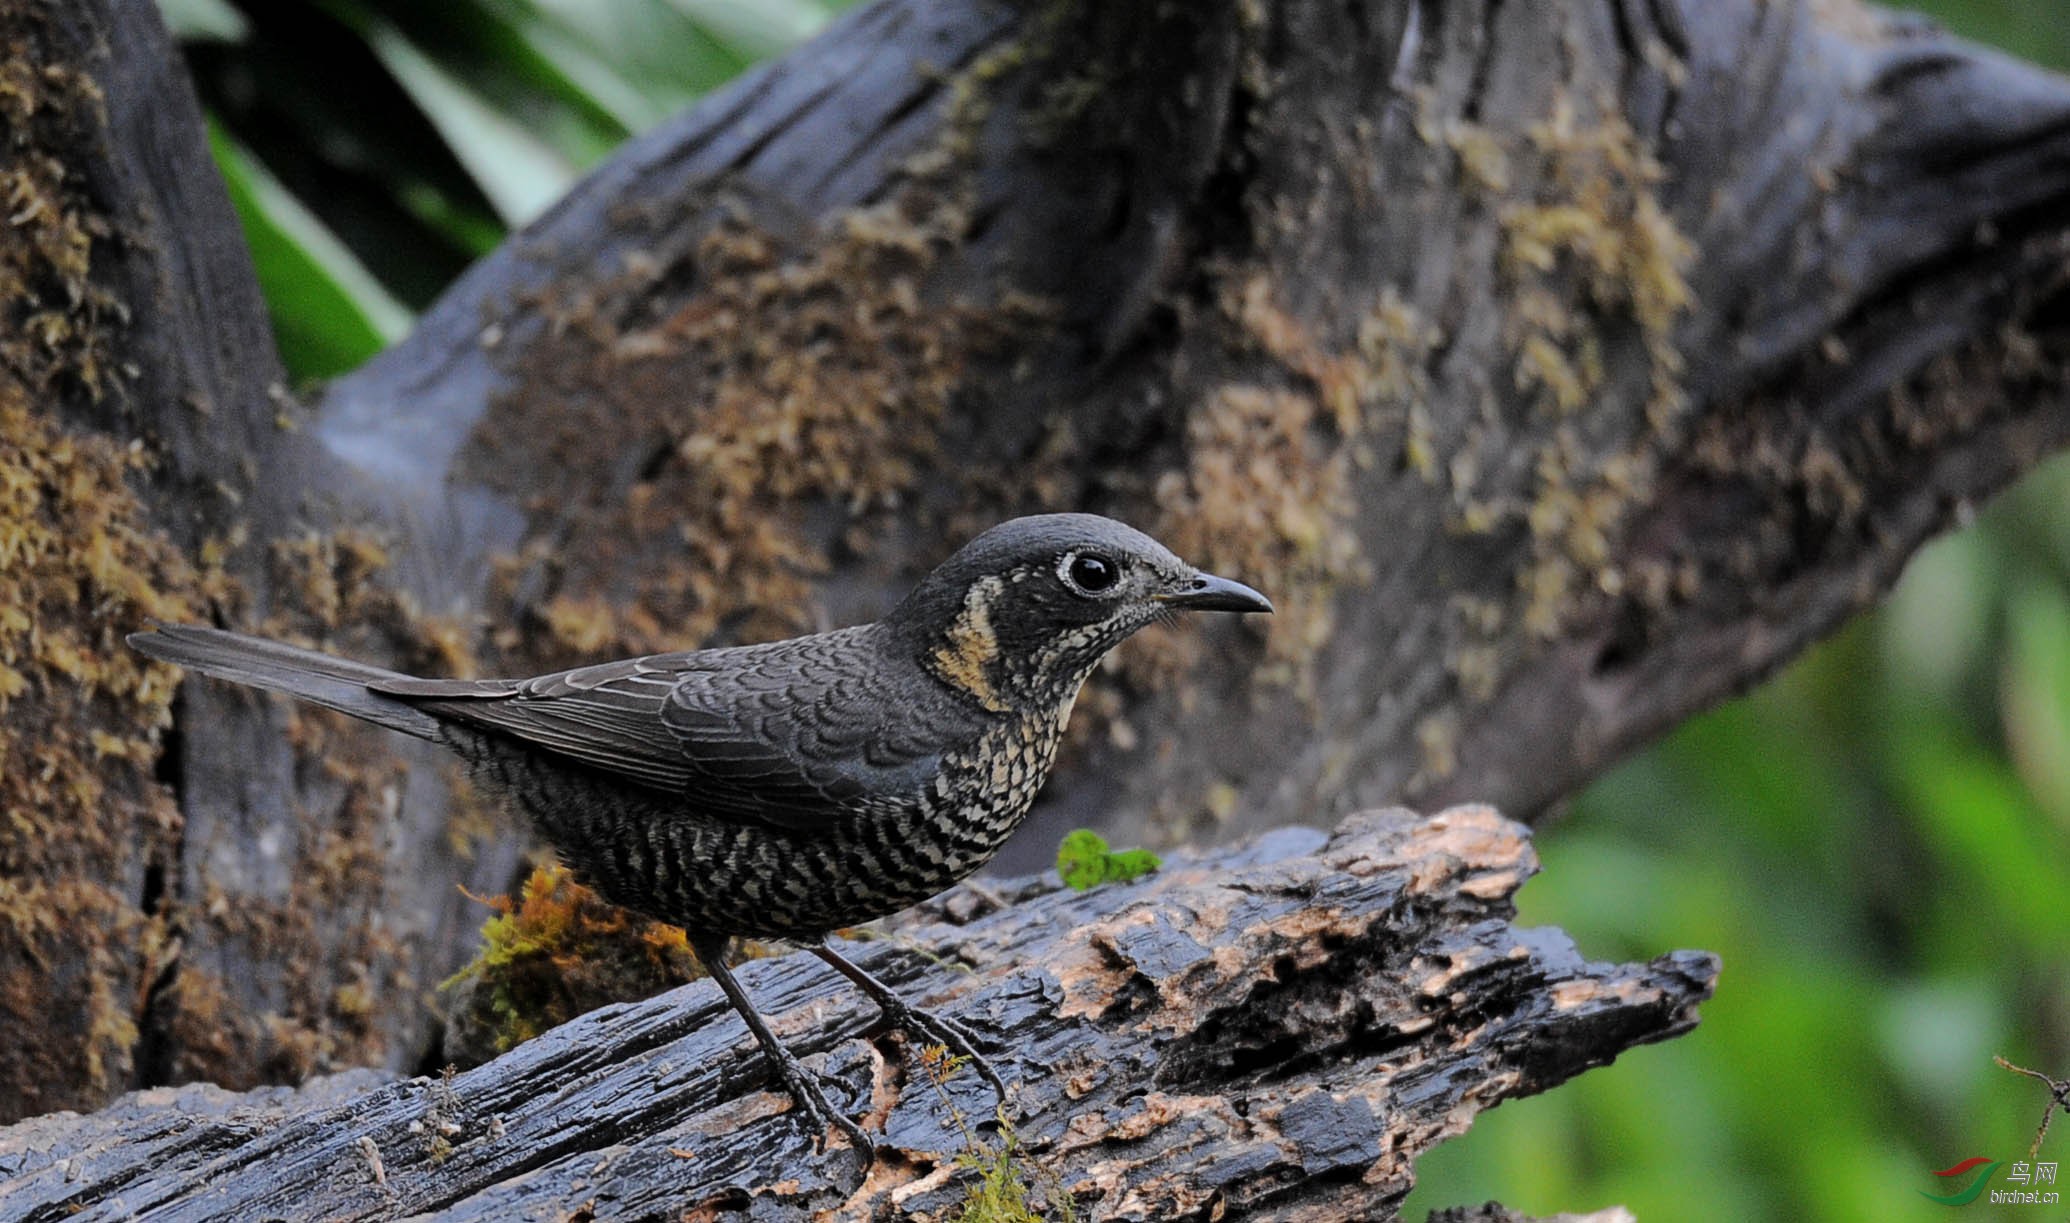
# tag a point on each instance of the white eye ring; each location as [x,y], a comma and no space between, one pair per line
[1088,573]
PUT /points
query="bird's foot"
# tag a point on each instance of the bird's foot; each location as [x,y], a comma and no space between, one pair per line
[943,1031]
[805,1089]
[803,1085]
[896,1012]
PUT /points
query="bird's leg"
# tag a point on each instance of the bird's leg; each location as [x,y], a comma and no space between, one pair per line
[802,1084]
[898,1012]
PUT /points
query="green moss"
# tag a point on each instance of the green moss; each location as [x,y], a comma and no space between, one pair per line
[1000,1194]
[1266,489]
[1084,861]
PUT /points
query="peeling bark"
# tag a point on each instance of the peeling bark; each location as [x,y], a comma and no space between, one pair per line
[1273,1031]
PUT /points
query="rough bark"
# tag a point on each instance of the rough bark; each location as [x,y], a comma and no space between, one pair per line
[1557,368]
[1560,368]
[1269,1032]
[294,909]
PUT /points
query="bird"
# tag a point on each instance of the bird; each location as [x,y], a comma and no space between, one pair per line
[789,789]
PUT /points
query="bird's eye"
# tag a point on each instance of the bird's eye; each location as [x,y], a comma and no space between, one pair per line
[1091,573]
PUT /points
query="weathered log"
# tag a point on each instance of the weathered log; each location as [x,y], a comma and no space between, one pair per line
[1274,1031]
[1558,368]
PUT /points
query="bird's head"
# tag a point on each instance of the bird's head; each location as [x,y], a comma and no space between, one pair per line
[1021,614]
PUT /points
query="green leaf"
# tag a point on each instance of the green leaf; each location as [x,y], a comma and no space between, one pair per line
[559,60]
[519,172]
[461,224]
[1084,861]
[204,20]
[329,313]
[667,57]
[760,30]
[1983,827]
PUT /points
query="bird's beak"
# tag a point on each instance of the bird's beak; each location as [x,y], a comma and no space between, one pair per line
[1206,592]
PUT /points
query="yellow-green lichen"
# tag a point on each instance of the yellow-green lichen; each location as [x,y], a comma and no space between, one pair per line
[1437,748]
[84,828]
[789,380]
[1265,494]
[1596,230]
[1267,486]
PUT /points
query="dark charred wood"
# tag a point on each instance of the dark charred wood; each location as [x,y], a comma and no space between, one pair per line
[1273,1031]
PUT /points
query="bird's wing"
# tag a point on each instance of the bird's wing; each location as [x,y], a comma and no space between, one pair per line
[607,717]
[791,735]
[806,733]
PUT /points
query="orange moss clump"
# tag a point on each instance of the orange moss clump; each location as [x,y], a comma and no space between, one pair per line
[556,951]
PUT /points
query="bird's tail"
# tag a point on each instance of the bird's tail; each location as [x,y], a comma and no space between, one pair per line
[335,683]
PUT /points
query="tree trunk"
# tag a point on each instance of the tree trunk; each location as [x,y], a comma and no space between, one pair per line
[293,910]
[1269,1032]
[1557,368]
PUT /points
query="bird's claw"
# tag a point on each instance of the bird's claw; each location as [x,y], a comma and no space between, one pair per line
[858,1141]
[946,1032]
[895,1012]
[805,1089]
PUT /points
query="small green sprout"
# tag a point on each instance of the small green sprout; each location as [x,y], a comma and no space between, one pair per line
[1001,1193]
[1084,861]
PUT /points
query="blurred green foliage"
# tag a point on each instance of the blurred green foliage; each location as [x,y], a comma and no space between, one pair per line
[1876,842]
[376,147]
